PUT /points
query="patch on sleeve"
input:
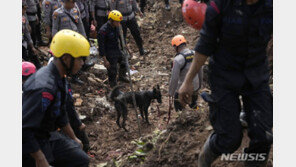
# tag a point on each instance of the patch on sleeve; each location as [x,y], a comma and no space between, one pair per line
[70,92]
[45,104]
[47,96]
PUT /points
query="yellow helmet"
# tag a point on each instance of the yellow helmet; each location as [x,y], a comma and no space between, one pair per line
[70,42]
[115,15]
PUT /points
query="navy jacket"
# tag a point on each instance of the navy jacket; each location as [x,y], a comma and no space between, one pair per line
[108,40]
[235,35]
[44,96]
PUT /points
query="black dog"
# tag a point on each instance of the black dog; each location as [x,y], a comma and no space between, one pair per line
[143,100]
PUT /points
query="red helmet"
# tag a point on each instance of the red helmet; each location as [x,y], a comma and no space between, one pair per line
[194,13]
[28,68]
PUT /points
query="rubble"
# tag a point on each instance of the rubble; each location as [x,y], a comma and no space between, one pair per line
[176,144]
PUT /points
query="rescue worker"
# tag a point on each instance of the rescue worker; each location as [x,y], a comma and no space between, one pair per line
[128,8]
[181,65]
[83,6]
[99,10]
[44,105]
[235,36]
[74,120]
[109,49]
[38,27]
[33,19]
[48,7]
[67,17]
[29,52]
[28,69]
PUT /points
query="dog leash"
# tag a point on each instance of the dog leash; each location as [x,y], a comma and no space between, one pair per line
[127,54]
[170,109]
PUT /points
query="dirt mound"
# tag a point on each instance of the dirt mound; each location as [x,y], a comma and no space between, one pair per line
[179,145]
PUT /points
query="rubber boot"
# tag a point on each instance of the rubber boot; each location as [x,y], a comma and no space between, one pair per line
[122,76]
[75,79]
[206,156]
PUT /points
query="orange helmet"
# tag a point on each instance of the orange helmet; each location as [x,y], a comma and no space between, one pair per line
[194,13]
[178,40]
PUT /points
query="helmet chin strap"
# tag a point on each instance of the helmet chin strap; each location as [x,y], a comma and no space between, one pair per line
[66,68]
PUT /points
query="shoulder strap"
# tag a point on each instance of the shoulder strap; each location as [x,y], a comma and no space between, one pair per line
[187,58]
[72,19]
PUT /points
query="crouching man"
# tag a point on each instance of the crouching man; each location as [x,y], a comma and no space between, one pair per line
[44,107]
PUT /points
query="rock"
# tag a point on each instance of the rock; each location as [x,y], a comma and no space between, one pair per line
[209,128]
[78,102]
[92,80]
[89,95]
[162,74]
[137,64]
[82,117]
[102,164]
[76,95]
[98,80]
[100,67]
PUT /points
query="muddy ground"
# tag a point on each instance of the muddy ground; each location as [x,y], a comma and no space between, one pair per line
[176,144]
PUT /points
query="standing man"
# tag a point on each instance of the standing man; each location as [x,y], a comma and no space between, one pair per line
[108,39]
[83,6]
[182,63]
[128,8]
[29,53]
[33,19]
[44,105]
[99,10]
[48,7]
[67,17]
[235,35]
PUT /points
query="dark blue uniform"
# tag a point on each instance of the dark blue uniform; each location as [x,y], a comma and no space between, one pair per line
[235,36]
[44,96]
[108,40]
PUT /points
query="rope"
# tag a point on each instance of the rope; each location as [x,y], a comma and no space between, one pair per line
[126,55]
